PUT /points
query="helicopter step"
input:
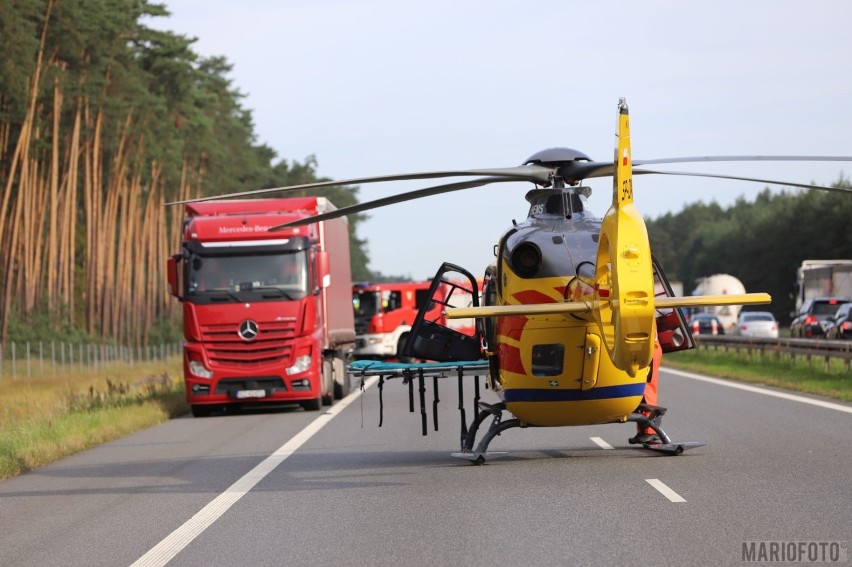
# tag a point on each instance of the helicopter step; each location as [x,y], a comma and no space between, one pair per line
[647,415]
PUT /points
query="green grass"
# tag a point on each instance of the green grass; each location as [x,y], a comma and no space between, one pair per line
[49,417]
[783,372]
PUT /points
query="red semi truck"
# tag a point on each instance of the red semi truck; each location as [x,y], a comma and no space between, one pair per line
[267,316]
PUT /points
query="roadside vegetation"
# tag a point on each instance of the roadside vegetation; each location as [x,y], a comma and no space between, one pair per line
[47,417]
[796,374]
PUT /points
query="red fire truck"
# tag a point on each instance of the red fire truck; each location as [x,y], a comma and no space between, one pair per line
[267,315]
[384,313]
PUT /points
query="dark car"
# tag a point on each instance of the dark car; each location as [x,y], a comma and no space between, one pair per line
[814,316]
[841,324]
[706,324]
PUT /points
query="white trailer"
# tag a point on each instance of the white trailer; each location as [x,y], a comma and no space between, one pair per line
[822,278]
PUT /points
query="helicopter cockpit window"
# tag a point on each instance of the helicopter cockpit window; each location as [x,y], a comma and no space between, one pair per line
[547,360]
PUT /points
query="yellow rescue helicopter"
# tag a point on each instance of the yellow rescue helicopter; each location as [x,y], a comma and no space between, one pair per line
[572,311]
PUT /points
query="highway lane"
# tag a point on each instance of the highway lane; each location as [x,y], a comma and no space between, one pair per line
[353,493]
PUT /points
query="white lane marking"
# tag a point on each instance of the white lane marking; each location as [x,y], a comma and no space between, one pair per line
[757,390]
[665,490]
[175,542]
[601,443]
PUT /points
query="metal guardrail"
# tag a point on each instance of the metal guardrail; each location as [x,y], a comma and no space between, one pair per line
[809,349]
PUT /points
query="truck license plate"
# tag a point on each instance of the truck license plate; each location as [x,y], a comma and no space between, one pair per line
[242,394]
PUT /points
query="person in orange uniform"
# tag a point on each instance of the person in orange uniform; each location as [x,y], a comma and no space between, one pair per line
[646,434]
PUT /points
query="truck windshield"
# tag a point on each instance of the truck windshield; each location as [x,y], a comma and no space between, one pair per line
[265,276]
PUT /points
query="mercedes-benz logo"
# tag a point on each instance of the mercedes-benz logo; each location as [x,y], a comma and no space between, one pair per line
[248,330]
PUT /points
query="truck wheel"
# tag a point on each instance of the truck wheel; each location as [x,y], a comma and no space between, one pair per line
[401,345]
[201,410]
[312,405]
[327,382]
[342,384]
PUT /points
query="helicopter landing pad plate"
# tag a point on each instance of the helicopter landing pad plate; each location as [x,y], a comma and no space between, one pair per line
[673,448]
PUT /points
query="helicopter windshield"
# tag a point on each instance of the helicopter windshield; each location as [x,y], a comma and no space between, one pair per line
[274,275]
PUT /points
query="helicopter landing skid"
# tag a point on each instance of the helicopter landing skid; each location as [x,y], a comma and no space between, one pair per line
[651,416]
[477,456]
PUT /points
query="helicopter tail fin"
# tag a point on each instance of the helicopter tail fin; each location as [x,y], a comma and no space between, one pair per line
[623,267]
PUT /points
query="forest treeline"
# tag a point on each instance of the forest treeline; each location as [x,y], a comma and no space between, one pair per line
[761,241]
[103,119]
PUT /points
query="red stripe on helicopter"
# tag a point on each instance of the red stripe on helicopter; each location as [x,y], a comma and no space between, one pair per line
[510,358]
[511,327]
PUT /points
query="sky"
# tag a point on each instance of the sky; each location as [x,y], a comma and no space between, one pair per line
[378,87]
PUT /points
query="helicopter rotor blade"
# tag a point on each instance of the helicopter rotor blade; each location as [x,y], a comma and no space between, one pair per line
[393,199]
[698,159]
[739,178]
[534,173]
[579,170]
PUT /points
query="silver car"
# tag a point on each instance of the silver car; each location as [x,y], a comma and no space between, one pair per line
[757,324]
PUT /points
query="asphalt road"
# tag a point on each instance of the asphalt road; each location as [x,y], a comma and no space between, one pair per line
[260,489]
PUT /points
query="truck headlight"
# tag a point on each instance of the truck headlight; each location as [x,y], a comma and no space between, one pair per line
[302,363]
[198,369]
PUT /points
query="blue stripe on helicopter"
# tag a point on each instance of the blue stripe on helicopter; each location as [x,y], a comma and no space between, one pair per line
[548,395]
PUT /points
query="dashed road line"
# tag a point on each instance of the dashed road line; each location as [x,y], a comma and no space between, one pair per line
[601,443]
[665,490]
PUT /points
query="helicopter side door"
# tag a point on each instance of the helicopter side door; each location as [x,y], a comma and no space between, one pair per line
[431,337]
[672,331]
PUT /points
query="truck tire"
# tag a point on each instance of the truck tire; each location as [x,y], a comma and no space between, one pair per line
[199,410]
[327,383]
[342,384]
[400,346]
[312,405]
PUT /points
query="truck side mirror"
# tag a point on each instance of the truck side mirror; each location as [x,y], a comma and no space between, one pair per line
[173,273]
[324,270]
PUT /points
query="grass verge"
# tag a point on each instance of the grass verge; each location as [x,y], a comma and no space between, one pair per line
[47,418]
[796,374]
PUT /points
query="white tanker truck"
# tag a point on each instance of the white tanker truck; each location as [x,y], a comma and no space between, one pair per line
[721,284]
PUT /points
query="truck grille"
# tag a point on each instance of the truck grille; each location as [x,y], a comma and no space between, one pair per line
[272,345]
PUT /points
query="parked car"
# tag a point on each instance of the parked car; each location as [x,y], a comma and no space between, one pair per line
[706,324]
[841,324]
[757,324]
[814,315]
